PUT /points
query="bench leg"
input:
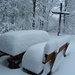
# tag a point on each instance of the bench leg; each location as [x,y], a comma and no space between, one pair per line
[52,57]
[14,61]
[13,64]
[64,52]
[52,62]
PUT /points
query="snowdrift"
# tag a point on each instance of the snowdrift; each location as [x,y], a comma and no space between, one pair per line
[16,42]
[35,56]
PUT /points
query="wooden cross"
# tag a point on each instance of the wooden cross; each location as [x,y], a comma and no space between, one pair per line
[60,15]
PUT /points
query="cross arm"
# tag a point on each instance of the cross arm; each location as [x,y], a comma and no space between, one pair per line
[61,12]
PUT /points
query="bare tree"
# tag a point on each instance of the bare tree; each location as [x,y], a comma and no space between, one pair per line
[34,7]
[70,19]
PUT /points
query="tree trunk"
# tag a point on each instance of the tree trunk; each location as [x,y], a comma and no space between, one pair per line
[70,19]
[34,6]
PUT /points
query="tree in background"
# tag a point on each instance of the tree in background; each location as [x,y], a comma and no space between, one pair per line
[70,19]
[27,14]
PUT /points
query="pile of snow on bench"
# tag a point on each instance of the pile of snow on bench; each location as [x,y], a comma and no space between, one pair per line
[33,58]
[16,42]
[51,46]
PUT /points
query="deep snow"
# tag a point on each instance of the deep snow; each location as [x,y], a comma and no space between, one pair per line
[65,67]
[16,42]
[34,56]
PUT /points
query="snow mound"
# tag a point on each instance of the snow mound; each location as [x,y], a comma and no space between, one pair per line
[16,42]
[54,45]
[33,58]
[50,47]
[62,41]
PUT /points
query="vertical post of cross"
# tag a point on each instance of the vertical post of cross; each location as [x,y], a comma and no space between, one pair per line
[59,20]
[60,15]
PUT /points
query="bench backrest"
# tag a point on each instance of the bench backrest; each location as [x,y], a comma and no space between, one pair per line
[53,48]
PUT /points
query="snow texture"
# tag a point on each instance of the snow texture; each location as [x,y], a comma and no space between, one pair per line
[66,67]
[16,42]
[50,47]
[58,62]
[70,19]
[33,58]
[54,45]
[46,68]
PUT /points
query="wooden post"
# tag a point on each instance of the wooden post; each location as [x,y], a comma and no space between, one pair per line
[60,15]
[59,19]
[34,6]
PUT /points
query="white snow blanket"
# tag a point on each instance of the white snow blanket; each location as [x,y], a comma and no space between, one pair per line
[54,45]
[34,56]
[16,42]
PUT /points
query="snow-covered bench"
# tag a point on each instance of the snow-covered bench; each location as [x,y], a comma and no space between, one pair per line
[38,56]
[15,43]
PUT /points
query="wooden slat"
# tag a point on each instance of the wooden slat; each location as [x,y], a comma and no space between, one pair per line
[52,57]
[64,47]
[17,57]
[61,12]
[14,61]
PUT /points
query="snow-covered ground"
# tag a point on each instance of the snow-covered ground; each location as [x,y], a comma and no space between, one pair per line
[66,67]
